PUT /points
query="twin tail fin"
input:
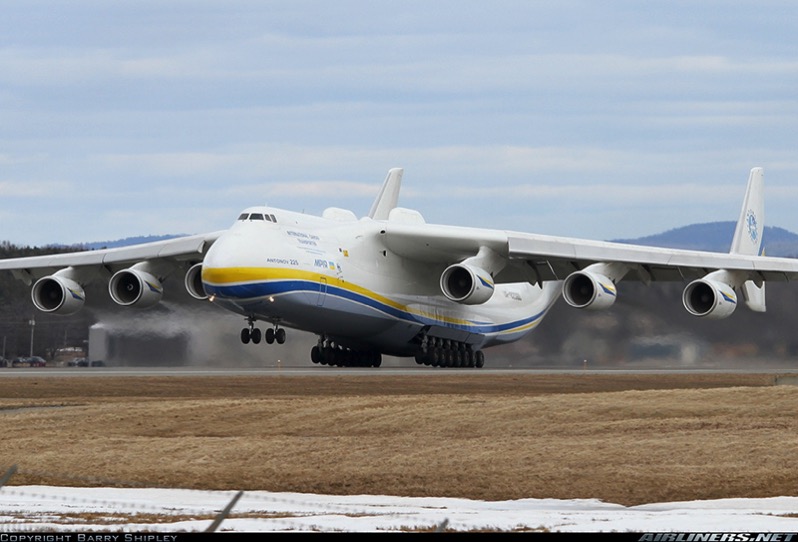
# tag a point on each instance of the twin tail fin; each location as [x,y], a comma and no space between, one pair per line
[747,238]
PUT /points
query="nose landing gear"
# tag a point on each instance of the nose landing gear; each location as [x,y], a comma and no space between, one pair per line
[253,334]
[275,334]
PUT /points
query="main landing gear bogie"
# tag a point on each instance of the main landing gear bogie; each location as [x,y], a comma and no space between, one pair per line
[254,335]
[328,353]
[446,353]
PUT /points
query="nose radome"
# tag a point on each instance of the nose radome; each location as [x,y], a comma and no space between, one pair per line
[228,251]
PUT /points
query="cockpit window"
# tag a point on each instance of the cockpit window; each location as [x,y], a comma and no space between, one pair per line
[257,216]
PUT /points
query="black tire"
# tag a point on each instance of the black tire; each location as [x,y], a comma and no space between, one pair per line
[269,336]
[245,335]
[255,335]
[279,336]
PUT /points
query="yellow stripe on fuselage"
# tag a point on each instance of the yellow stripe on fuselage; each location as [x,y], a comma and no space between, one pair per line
[225,276]
[237,275]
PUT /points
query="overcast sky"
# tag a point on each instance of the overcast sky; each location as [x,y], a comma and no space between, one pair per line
[589,119]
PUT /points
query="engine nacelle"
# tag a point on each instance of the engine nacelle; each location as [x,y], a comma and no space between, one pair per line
[709,298]
[193,282]
[58,295]
[588,290]
[134,287]
[466,284]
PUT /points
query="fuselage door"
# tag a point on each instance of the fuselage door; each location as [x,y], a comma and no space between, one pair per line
[322,291]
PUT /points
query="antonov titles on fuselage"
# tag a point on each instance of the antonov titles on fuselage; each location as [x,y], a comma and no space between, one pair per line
[389,283]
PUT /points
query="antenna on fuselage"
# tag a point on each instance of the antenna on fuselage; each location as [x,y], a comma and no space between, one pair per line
[388,196]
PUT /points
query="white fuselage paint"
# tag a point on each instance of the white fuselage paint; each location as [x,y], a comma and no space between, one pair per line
[337,278]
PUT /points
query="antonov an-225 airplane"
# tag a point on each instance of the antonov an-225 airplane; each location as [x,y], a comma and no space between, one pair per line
[389,283]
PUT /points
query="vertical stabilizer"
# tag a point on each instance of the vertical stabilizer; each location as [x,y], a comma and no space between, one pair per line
[388,196]
[748,235]
[750,227]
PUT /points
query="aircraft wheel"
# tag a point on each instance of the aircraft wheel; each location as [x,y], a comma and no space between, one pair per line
[245,335]
[269,335]
[480,359]
[279,336]
[255,335]
[315,356]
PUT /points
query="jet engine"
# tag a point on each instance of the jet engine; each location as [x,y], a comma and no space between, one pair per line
[589,290]
[135,287]
[58,294]
[466,284]
[193,282]
[709,298]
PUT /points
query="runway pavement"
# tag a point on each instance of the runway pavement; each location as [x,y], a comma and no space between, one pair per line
[317,371]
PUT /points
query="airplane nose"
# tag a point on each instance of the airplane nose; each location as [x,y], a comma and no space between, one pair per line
[234,265]
[223,260]
[221,252]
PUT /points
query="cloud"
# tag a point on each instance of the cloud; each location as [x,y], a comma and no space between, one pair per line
[33,189]
[271,161]
[141,110]
[309,189]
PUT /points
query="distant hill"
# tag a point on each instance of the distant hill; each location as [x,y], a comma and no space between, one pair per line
[128,241]
[716,237]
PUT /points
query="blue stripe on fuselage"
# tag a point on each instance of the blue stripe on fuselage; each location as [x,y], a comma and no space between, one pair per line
[253,290]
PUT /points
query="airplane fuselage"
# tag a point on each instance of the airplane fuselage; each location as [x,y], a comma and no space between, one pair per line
[336,278]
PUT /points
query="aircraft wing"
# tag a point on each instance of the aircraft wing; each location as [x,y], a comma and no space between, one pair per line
[177,250]
[554,258]
[540,258]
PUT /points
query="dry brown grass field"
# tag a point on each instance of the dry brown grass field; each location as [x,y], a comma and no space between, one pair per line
[628,439]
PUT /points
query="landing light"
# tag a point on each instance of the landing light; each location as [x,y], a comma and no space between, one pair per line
[271,299]
[212,298]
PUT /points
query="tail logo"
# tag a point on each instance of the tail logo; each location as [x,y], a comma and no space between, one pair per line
[751,224]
